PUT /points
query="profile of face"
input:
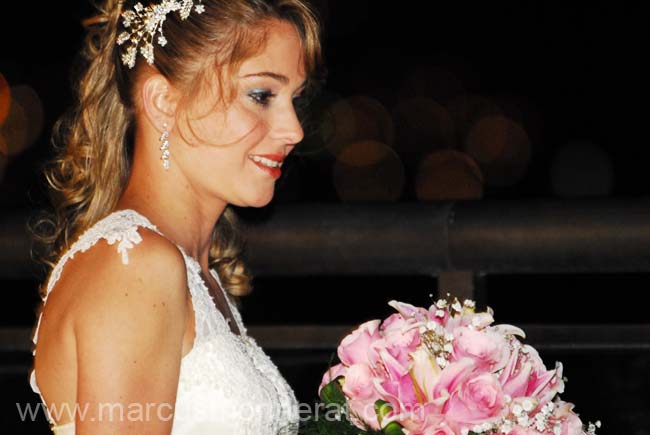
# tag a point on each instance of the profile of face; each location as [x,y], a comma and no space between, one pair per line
[261,120]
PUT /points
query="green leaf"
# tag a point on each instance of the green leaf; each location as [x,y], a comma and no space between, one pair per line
[332,393]
[382,408]
[393,428]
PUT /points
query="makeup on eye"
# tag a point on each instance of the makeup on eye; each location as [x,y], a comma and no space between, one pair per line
[263,96]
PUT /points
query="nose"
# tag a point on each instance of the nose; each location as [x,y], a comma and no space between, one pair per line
[287,127]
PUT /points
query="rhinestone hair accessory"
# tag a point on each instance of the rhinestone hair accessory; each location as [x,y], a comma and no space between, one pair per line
[143,22]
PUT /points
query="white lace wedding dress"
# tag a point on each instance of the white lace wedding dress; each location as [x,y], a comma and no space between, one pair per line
[227,384]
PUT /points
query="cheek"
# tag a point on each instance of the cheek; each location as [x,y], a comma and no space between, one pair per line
[236,127]
[220,159]
[225,167]
[220,164]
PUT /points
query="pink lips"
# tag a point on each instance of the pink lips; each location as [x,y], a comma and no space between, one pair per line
[273,172]
[275,157]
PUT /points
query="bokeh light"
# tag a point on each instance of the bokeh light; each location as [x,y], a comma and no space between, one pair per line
[24,122]
[357,119]
[422,125]
[5,99]
[14,130]
[582,169]
[3,145]
[466,110]
[364,153]
[31,103]
[501,148]
[368,171]
[3,163]
[318,126]
[448,175]
[523,112]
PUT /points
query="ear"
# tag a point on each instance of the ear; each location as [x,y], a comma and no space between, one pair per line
[159,101]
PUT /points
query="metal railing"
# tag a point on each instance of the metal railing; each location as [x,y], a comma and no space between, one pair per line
[459,242]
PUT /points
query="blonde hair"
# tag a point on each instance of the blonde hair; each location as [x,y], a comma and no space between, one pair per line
[93,141]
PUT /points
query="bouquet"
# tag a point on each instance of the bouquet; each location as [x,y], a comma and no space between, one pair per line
[446,370]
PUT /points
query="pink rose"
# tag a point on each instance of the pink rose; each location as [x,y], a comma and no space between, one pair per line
[394,322]
[544,383]
[478,399]
[356,347]
[443,429]
[362,413]
[451,378]
[487,348]
[425,420]
[333,373]
[399,393]
[398,344]
[409,311]
[476,320]
[526,376]
[439,430]
[359,382]
[570,422]
[418,419]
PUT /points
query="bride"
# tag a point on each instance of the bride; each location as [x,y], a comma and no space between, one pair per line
[184,107]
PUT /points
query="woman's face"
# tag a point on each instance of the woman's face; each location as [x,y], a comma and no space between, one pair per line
[260,122]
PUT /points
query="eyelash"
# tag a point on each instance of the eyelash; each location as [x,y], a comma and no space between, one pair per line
[262,97]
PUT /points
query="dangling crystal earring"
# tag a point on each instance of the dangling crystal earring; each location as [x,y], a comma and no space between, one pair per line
[164,139]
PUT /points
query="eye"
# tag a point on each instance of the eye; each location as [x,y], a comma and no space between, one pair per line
[261,97]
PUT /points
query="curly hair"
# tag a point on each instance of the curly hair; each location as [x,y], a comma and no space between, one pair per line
[93,141]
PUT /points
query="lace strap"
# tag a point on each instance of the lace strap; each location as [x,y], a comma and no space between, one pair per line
[119,227]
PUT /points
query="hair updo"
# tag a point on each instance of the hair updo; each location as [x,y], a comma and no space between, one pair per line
[93,142]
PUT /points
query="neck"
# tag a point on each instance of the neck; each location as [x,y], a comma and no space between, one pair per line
[170,202]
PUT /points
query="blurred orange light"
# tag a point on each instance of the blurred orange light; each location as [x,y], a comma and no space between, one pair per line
[364,153]
[422,125]
[24,122]
[448,175]
[14,130]
[368,171]
[31,103]
[3,163]
[5,99]
[502,149]
[466,110]
[358,118]
[4,149]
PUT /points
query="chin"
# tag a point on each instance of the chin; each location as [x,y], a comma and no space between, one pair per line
[256,201]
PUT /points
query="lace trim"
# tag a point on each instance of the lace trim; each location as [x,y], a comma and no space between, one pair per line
[215,346]
[119,227]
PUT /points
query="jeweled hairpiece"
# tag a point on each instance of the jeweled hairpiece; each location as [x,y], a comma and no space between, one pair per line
[143,23]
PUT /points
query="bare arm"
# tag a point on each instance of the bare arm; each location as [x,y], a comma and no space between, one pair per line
[129,332]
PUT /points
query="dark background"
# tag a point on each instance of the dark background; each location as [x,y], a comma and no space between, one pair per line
[561,86]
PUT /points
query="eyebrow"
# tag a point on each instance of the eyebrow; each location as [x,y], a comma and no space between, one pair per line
[279,77]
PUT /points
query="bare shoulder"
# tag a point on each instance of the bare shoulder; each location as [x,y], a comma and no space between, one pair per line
[155,273]
[129,326]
